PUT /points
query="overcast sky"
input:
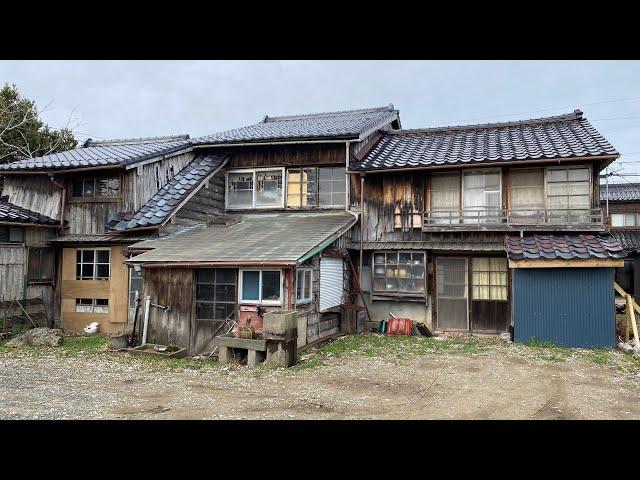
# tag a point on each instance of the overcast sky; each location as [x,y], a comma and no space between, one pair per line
[114,99]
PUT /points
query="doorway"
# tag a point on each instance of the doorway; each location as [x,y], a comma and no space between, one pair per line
[452,293]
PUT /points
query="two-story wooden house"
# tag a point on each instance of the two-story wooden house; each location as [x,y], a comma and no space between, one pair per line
[77,264]
[482,228]
[265,231]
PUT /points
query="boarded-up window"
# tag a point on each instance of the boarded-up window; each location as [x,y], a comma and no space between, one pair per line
[568,195]
[302,187]
[41,264]
[215,293]
[527,191]
[445,198]
[399,272]
[489,278]
[482,197]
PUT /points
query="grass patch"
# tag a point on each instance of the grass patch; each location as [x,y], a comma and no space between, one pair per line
[73,346]
[398,348]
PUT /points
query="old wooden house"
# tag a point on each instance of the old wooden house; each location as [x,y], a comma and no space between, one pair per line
[489,228]
[622,202]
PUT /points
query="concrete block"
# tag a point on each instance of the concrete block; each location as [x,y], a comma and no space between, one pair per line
[225,354]
[254,357]
[280,322]
[282,353]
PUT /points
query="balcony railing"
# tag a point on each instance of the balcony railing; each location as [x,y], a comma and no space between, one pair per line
[501,219]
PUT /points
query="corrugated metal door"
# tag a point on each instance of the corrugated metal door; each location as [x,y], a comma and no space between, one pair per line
[572,307]
[331,282]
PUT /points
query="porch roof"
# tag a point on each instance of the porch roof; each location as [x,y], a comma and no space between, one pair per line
[256,239]
[563,247]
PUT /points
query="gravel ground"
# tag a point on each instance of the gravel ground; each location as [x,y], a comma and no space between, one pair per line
[357,377]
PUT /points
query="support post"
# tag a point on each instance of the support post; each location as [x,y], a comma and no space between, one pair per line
[147,306]
[631,317]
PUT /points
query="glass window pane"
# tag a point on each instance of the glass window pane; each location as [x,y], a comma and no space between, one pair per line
[240,190]
[16,234]
[226,275]
[307,283]
[250,285]
[87,188]
[225,293]
[204,311]
[270,285]
[34,264]
[269,188]
[102,256]
[299,284]
[629,220]
[204,292]
[77,188]
[87,256]
[205,275]
[102,271]
[87,271]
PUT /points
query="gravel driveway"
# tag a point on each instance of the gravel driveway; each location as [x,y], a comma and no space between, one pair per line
[357,377]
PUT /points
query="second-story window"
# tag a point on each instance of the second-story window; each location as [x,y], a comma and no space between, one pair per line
[316,187]
[92,264]
[255,189]
[331,187]
[96,187]
[568,192]
[625,219]
[481,197]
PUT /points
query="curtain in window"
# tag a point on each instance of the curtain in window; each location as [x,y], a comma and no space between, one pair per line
[489,278]
[527,195]
[482,197]
[445,198]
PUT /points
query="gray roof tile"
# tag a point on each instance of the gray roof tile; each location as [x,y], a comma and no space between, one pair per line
[629,239]
[10,213]
[565,247]
[562,136]
[161,206]
[621,192]
[102,154]
[349,123]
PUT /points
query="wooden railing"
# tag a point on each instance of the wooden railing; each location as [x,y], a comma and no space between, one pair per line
[501,219]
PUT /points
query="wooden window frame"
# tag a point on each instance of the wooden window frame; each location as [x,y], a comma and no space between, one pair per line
[95,198]
[567,167]
[94,263]
[464,208]
[39,251]
[254,172]
[9,229]
[213,302]
[301,183]
[489,285]
[318,182]
[260,301]
[304,300]
[398,292]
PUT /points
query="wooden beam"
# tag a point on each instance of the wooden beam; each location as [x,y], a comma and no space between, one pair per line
[565,263]
[631,316]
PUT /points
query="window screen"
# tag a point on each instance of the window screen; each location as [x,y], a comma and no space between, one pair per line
[489,278]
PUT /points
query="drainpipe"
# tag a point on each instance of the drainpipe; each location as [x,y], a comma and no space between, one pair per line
[362,174]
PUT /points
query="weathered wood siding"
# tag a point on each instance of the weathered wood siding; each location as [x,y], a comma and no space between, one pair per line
[172,287]
[90,217]
[13,261]
[288,155]
[206,204]
[34,192]
[141,183]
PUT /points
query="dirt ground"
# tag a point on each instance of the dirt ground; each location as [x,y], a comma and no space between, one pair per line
[356,377]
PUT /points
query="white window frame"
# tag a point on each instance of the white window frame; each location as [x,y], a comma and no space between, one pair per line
[253,206]
[332,206]
[636,220]
[260,301]
[94,263]
[93,306]
[303,300]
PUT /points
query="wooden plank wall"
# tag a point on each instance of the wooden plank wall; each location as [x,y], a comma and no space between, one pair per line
[170,287]
[288,155]
[34,192]
[13,259]
[90,217]
[139,184]
[206,204]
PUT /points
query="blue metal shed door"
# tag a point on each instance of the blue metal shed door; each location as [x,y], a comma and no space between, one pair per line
[571,307]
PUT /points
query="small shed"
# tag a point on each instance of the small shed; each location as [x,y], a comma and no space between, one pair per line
[563,289]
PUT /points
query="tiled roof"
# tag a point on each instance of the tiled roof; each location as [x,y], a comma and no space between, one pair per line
[102,154]
[280,238]
[345,124]
[621,192]
[562,247]
[459,245]
[629,239]
[98,238]
[10,213]
[563,136]
[166,200]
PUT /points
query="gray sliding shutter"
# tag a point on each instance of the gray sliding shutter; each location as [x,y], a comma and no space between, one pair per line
[331,282]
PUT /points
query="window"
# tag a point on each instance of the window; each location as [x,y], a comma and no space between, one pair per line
[568,192]
[304,278]
[255,189]
[41,264]
[96,187]
[92,305]
[399,272]
[92,264]
[302,187]
[481,197]
[445,198]
[527,194]
[11,234]
[215,293]
[332,187]
[260,286]
[489,278]
[625,219]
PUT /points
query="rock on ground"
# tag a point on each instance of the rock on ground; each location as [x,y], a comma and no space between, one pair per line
[38,337]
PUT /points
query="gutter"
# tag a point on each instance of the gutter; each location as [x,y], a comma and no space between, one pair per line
[244,263]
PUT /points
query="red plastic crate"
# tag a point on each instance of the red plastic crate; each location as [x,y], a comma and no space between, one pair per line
[400,326]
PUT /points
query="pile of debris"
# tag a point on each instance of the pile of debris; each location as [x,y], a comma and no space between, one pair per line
[38,337]
[395,326]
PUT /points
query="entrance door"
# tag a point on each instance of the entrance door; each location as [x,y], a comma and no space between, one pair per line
[452,288]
